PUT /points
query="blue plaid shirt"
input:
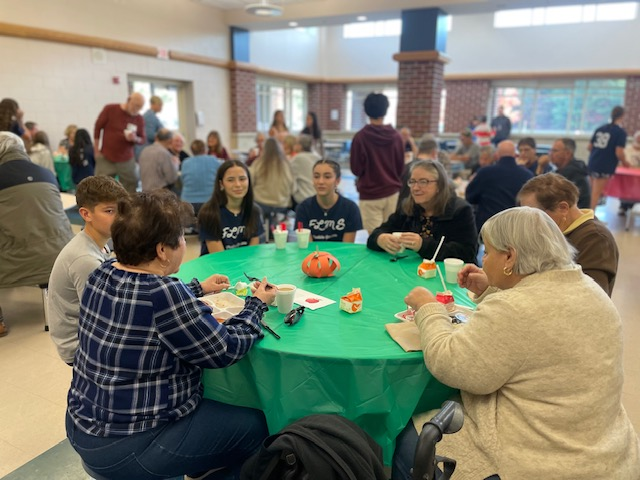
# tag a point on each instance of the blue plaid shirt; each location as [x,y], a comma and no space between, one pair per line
[144,340]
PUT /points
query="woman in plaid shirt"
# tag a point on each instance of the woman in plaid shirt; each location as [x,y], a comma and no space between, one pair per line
[135,406]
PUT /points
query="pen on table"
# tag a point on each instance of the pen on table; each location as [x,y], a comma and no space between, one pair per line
[269,329]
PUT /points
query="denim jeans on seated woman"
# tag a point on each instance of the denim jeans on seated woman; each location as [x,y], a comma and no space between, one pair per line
[214,435]
[404,456]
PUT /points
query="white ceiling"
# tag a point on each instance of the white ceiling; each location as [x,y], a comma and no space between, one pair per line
[311,13]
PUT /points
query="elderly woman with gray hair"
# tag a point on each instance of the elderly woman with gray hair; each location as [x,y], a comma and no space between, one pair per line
[539,364]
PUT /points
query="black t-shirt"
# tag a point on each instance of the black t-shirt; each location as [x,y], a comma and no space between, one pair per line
[332,224]
[232,232]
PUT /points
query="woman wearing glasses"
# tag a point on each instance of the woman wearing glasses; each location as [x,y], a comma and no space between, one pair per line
[429,213]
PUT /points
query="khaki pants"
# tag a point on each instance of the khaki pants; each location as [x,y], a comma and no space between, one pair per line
[375,212]
[127,172]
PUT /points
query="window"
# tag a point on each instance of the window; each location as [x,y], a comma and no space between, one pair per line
[170,94]
[356,118]
[563,107]
[526,17]
[382,28]
[285,95]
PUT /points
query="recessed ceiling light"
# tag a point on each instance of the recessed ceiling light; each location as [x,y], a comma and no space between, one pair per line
[361,18]
[293,24]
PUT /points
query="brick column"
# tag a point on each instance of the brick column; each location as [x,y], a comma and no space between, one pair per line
[420,83]
[324,97]
[632,105]
[465,98]
[243,99]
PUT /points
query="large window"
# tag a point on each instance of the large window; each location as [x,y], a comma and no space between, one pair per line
[566,106]
[356,118]
[285,95]
[591,12]
[382,28]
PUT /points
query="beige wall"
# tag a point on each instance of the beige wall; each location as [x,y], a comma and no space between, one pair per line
[57,84]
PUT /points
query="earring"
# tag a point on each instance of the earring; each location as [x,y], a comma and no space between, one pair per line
[163,265]
[507,271]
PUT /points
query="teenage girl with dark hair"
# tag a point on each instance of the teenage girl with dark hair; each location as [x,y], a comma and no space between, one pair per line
[329,215]
[230,218]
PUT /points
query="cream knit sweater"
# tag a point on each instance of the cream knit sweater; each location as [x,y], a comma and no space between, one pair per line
[539,367]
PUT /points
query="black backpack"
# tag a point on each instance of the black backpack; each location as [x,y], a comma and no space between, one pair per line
[317,447]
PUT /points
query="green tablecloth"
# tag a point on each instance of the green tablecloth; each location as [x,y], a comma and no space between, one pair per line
[331,361]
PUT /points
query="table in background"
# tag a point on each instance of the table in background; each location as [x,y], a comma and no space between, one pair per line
[331,361]
[625,185]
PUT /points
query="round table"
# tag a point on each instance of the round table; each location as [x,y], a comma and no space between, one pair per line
[331,361]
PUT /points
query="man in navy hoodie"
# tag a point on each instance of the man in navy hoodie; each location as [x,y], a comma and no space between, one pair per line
[496,187]
[377,159]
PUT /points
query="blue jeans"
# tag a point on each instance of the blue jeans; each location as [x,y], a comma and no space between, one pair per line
[404,455]
[214,435]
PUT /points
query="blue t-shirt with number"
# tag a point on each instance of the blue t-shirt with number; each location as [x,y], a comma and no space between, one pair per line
[604,141]
[232,232]
[329,225]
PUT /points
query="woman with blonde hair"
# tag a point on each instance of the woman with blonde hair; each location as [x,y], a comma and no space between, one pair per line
[289,146]
[272,181]
[539,363]
[597,249]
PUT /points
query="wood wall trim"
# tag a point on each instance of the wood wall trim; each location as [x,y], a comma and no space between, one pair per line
[543,75]
[198,59]
[11,30]
[35,33]
[422,56]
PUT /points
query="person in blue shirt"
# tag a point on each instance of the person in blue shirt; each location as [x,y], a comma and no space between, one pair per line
[230,218]
[606,149]
[198,176]
[329,215]
[135,408]
[496,187]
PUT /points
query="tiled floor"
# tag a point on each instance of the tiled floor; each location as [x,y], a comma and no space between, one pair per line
[34,380]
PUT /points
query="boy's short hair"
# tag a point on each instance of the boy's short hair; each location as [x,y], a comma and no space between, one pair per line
[376,105]
[98,189]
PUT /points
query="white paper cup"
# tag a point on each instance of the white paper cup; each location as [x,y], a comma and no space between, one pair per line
[284,297]
[451,268]
[399,234]
[303,237]
[280,238]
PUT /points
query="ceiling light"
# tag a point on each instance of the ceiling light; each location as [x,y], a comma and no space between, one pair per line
[293,24]
[264,9]
[361,18]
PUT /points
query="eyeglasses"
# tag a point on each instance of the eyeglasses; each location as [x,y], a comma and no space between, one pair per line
[423,182]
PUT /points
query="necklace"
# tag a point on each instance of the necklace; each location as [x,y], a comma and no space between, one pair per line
[323,206]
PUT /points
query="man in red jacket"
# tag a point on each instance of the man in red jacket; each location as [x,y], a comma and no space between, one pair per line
[377,159]
[122,127]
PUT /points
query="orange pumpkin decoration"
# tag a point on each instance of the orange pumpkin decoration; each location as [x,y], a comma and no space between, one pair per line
[320,264]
